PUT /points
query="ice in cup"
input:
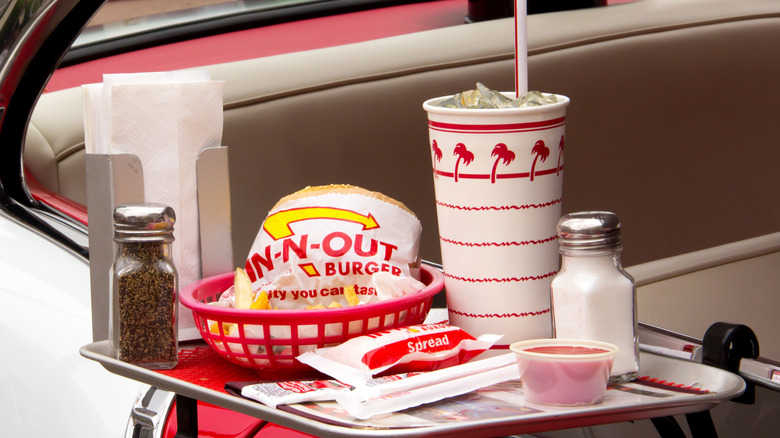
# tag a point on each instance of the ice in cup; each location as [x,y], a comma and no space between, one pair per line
[498,176]
[564,372]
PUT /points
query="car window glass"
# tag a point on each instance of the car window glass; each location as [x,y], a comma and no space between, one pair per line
[120,18]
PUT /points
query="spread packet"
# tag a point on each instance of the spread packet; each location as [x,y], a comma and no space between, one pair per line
[417,348]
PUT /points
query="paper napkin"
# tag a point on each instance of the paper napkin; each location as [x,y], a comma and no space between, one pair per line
[165,119]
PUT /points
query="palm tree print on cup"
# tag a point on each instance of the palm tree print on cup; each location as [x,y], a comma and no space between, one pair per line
[437,154]
[464,155]
[502,153]
[542,152]
[560,155]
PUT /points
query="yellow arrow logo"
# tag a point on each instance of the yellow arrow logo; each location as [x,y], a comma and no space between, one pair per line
[277,225]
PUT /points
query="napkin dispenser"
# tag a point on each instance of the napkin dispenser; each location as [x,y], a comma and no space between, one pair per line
[115,179]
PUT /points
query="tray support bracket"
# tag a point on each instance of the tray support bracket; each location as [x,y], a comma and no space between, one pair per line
[725,345]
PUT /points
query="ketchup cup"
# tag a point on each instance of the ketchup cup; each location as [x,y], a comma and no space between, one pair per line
[564,372]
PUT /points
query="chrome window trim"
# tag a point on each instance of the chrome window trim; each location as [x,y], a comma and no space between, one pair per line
[37,34]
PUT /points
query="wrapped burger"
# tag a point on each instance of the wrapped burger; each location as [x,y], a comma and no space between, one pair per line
[330,246]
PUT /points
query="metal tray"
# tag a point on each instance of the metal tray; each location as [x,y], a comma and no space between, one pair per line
[712,386]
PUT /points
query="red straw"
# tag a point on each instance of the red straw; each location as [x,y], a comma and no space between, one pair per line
[521,48]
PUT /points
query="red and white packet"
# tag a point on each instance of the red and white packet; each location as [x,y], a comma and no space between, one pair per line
[417,348]
[273,394]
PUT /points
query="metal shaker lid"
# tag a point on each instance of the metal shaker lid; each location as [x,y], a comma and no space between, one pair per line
[145,219]
[589,231]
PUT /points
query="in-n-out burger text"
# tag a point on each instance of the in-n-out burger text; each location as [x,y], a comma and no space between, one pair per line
[335,244]
[314,293]
[358,268]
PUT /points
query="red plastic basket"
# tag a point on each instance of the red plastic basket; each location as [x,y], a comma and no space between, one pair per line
[271,339]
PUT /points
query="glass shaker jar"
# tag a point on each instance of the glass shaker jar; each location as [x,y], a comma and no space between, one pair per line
[592,296]
[143,327]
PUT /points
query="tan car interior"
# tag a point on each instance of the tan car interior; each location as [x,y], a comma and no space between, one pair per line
[672,125]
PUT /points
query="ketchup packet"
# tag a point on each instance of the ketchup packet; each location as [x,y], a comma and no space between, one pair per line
[273,394]
[417,348]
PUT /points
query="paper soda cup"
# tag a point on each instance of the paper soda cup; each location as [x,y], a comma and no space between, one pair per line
[498,180]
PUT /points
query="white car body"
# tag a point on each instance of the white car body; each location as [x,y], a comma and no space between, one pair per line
[48,388]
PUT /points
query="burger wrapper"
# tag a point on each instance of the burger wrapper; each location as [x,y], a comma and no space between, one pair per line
[311,249]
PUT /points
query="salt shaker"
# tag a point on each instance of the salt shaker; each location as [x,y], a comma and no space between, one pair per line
[592,296]
[143,320]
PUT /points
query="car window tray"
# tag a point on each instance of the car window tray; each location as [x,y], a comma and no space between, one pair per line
[666,387]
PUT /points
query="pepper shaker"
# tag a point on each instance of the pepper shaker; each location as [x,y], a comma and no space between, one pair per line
[143,328]
[592,296]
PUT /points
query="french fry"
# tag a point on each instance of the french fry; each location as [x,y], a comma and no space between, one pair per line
[242,289]
[318,306]
[226,327]
[351,296]
[334,305]
[261,302]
